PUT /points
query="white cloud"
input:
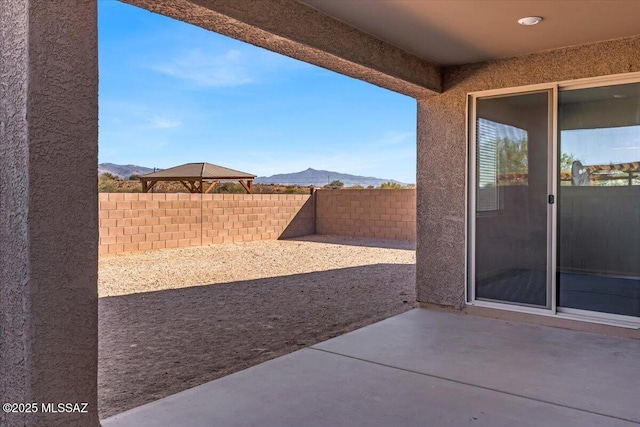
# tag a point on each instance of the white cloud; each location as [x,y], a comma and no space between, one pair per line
[226,70]
[626,148]
[123,115]
[164,123]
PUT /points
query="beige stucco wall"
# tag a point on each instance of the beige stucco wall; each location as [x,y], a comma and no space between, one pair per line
[383,214]
[48,220]
[442,150]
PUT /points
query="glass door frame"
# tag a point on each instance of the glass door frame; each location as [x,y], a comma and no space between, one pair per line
[552,308]
[552,105]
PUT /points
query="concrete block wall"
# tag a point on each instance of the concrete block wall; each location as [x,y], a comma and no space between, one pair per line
[131,222]
[385,214]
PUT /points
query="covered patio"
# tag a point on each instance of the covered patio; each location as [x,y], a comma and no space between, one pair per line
[422,367]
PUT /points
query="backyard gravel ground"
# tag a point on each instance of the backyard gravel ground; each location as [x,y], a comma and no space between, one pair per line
[173,319]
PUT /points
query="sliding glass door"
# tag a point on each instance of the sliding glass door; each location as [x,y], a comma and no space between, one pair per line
[554,200]
[599,200]
[510,216]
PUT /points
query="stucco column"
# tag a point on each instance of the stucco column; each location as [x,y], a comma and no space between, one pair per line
[48,209]
[440,202]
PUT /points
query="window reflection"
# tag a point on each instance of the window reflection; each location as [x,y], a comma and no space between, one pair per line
[608,157]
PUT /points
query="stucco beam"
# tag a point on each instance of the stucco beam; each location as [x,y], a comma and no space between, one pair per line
[299,31]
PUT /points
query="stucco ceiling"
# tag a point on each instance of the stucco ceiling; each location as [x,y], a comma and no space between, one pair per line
[450,32]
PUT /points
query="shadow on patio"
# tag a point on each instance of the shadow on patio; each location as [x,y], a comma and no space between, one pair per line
[357,241]
[422,368]
[155,344]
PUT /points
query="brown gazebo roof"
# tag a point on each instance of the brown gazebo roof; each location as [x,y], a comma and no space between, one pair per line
[206,171]
[192,176]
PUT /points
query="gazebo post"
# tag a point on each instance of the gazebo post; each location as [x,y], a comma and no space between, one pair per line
[210,187]
[248,186]
[146,187]
[185,186]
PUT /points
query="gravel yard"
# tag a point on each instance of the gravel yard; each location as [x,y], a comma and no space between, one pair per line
[173,319]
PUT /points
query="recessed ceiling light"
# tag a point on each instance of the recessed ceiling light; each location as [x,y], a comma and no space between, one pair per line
[529,20]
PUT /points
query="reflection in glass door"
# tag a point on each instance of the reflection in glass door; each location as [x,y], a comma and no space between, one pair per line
[599,200]
[511,188]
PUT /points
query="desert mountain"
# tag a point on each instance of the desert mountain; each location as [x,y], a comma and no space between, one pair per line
[319,178]
[122,171]
[307,177]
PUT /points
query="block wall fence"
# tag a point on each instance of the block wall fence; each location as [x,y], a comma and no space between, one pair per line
[383,214]
[131,222]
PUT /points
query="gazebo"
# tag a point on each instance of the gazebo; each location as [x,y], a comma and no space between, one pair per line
[198,177]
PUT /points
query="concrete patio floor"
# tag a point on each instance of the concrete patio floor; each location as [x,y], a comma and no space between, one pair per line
[422,368]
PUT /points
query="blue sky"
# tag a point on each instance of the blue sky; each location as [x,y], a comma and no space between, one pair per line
[172,93]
